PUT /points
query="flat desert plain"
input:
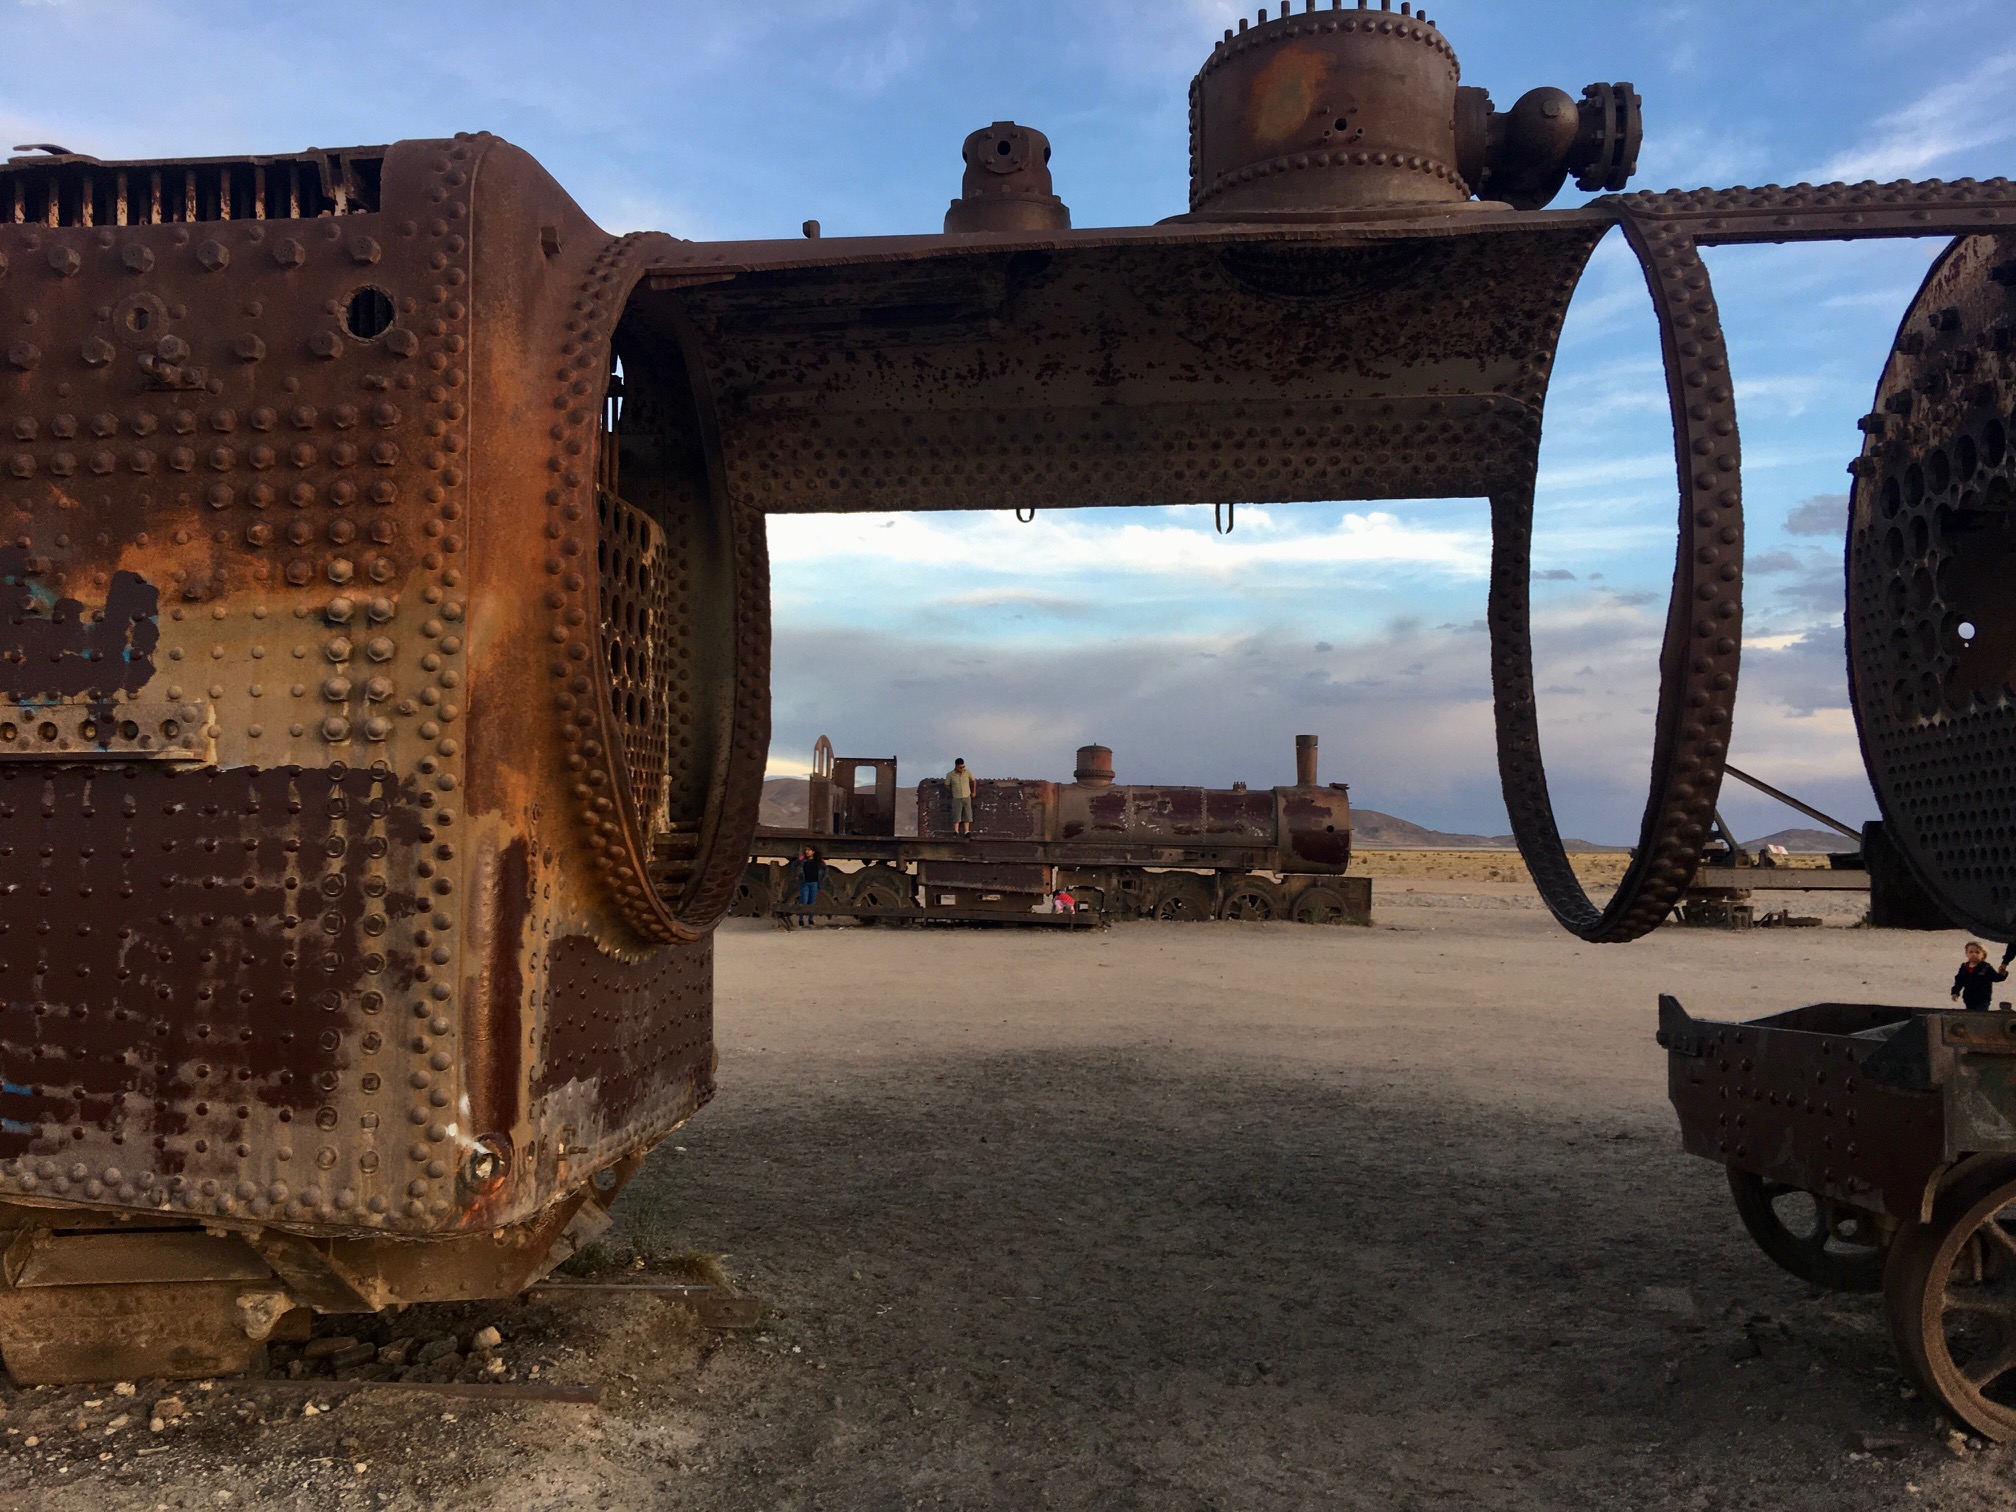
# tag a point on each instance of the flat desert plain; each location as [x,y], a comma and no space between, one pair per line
[1161,1216]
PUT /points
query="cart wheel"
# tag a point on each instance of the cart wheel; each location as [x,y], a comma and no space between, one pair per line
[1182,899]
[1827,1243]
[1949,1294]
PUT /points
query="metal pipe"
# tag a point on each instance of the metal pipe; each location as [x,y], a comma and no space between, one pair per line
[1789,801]
[1305,761]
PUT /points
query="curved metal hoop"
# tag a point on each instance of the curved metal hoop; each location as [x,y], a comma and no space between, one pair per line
[1026,515]
[1704,622]
[1224,517]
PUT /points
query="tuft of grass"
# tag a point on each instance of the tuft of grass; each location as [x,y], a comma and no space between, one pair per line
[597,1257]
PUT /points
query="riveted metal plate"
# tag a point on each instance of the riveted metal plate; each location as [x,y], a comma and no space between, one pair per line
[106,732]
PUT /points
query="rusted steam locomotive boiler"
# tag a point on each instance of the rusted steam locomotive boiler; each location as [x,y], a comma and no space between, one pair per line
[385,659]
[1176,853]
[385,719]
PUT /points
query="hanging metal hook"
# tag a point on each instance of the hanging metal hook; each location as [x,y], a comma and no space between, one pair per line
[1224,517]
[1025,516]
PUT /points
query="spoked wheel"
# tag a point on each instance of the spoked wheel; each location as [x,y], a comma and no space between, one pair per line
[1252,898]
[879,887]
[1319,905]
[1950,1296]
[1827,1243]
[1182,900]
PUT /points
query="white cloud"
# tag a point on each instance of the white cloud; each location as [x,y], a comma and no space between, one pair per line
[1945,120]
[1054,544]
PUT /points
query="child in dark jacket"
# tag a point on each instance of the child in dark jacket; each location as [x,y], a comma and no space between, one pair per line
[1975,981]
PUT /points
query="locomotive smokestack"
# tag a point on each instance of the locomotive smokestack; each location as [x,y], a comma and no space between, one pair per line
[1095,766]
[1305,761]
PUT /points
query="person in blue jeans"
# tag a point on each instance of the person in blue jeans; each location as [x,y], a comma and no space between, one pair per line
[811,873]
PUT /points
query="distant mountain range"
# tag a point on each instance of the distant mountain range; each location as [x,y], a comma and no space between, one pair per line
[1372,830]
[784,808]
[1811,840]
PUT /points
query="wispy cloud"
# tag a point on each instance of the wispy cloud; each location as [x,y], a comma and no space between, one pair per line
[1821,515]
[1940,124]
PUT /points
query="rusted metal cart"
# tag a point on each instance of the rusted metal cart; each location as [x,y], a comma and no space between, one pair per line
[1874,1148]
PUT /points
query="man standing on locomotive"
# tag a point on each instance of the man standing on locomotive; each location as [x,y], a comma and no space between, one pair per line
[1976,979]
[960,782]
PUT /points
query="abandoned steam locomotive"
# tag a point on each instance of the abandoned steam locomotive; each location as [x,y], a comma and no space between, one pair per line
[1178,853]
[385,659]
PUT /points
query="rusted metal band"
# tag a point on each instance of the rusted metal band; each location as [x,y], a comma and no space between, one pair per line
[735,788]
[610,799]
[615,834]
[724,850]
[1826,212]
[1704,624]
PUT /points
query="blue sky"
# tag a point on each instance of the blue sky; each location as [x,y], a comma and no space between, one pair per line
[1196,657]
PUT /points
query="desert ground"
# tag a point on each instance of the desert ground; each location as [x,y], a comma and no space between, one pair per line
[1160,1216]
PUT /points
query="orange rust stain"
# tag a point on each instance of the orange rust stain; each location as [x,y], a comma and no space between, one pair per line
[1285,94]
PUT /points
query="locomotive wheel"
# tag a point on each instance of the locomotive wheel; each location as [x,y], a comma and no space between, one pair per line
[1318,905]
[1128,895]
[754,893]
[1181,899]
[879,887]
[1949,1294]
[1826,1243]
[1252,899]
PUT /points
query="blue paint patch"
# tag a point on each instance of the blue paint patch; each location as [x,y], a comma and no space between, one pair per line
[14,1125]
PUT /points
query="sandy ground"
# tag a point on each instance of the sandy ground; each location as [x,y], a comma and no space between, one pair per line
[1596,869]
[1165,1216]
